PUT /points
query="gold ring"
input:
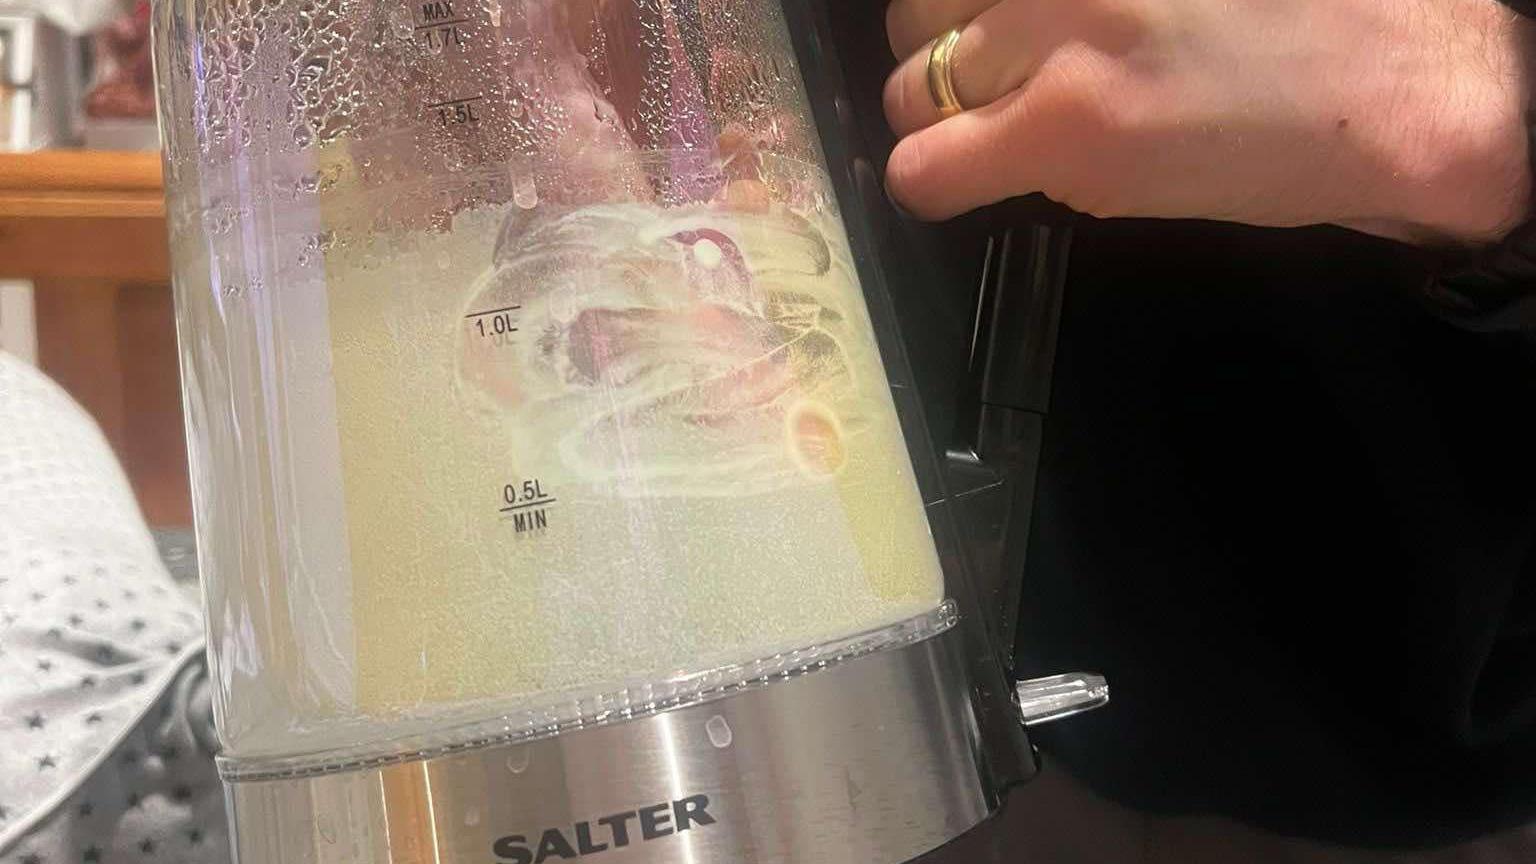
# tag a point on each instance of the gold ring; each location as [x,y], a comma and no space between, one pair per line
[941,74]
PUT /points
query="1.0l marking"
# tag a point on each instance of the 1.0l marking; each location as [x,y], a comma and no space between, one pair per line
[494,324]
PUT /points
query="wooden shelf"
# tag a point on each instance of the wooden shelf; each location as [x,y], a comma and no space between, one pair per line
[82,214]
[88,230]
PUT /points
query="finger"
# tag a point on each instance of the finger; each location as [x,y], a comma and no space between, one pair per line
[994,55]
[967,161]
[911,24]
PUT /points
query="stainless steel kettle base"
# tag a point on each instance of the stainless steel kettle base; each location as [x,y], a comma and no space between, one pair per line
[874,760]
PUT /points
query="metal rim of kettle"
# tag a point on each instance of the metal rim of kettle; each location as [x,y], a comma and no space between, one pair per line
[878,759]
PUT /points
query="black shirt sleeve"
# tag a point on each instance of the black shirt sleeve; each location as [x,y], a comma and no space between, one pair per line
[1292,517]
[1495,289]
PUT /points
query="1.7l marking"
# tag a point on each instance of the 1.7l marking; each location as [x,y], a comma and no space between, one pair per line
[440,25]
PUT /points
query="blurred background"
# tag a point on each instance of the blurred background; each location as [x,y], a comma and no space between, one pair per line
[84,287]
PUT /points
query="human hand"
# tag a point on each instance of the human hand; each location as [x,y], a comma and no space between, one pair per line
[1403,118]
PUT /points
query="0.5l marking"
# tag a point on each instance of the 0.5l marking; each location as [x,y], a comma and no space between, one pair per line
[526,505]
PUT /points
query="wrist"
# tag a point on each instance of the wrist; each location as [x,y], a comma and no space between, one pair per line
[1461,169]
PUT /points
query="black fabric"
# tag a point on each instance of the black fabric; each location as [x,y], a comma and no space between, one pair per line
[1291,515]
[1524,7]
[1288,505]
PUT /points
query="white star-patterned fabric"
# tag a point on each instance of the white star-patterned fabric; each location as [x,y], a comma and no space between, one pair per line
[106,737]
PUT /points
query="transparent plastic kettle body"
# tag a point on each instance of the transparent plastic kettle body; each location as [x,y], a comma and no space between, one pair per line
[530,384]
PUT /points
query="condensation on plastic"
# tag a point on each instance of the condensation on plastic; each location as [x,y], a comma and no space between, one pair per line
[554,714]
[526,370]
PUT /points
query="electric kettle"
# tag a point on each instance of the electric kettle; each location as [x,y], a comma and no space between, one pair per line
[555,486]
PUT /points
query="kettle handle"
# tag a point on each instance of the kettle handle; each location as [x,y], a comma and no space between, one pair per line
[1000,430]
[985,477]
[994,450]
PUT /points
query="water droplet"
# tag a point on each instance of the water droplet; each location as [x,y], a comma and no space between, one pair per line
[472,817]
[719,732]
[524,192]
[401,22]
[314,69]
[517,760]
[444,260]
[329,176]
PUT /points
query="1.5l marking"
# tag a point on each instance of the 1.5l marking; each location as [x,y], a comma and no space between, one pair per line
[457,112]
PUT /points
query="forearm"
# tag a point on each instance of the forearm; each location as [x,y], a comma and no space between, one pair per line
[1462,161]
